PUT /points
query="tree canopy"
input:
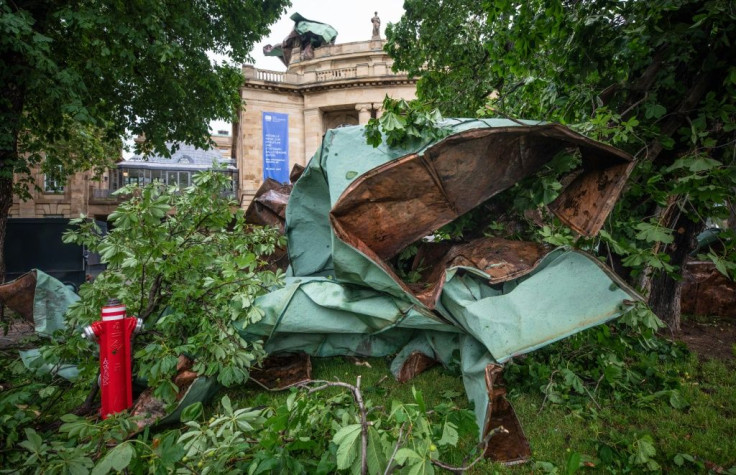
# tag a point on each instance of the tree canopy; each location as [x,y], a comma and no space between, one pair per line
[77,75]
[657,79]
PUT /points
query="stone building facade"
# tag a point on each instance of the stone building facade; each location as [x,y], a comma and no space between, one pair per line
[344,84]
[79,194]
[85,193]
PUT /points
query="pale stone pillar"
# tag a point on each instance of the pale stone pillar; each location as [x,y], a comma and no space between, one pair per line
[312,133]
[364,113]
[378,107]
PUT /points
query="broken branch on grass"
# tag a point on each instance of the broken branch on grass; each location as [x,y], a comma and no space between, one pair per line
[357,395]
[396,449]
[483,445]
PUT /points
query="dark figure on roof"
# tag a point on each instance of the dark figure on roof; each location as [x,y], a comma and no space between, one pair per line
[307,35]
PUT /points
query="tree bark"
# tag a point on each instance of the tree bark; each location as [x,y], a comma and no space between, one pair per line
[13,95]
[666,291]
[6,201]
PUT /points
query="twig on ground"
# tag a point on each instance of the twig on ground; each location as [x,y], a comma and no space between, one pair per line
[358,396]
[483,445]
[396,449]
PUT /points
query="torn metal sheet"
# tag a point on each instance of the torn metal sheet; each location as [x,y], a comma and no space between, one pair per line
[415,364]
[500,259]
[18,295]
[508,445]
[282,371]
[479,302]
[306,35]
[705,291]
[268,207]
[40,299]
[401,201]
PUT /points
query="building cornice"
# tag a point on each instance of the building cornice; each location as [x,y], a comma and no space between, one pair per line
[327,85]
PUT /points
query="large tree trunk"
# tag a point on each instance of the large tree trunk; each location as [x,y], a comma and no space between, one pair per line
[10,125]
[666,291]
[6,201]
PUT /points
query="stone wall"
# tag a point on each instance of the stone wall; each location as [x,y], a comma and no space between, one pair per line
[69,203]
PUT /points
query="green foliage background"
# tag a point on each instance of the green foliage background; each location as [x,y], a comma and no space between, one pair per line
[654,78]
[186,263]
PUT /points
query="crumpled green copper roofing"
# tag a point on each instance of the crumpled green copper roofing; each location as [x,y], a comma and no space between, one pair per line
[356,206]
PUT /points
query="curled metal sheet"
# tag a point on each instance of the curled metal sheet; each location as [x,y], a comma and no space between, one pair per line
[415,364]
[403,200]
[268,207]
[500,259]
[18,295]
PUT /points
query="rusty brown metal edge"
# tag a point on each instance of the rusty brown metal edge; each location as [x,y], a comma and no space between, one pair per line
[18,295]
[611,199]
[573,137]
[590,149]
[510,447]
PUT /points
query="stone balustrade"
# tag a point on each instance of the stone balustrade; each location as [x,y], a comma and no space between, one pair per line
[332,74]
[335,64]
[269,76]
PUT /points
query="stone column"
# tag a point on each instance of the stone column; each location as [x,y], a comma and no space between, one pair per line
[312,133]
[364,113]
[378,107]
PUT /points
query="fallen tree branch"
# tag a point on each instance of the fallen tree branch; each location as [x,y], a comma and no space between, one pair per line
[358,396]
[483,445]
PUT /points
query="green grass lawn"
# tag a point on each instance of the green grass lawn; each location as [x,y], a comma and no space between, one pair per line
[705,430]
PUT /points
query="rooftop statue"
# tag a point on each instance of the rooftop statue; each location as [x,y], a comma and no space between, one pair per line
[307,35]
[376,27]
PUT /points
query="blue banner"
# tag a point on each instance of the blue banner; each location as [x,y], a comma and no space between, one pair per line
[276,146]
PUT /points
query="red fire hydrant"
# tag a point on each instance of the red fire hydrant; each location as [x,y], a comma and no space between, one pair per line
[113,334]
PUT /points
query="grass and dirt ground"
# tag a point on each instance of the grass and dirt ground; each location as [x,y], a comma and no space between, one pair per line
[598,434]
[700,438]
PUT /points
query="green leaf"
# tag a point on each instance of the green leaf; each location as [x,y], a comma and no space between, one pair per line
[419,398]
[226,405]
[33,442]
[654,233]
[449,435]
[680,459]
[375,458]
[612,373]
[677,401]
[655,111]
[423,467]
[643,450]
[391,122]
[704,163]
[572,464]
[405,454]
[192,412]
[347,440]
[117,459]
